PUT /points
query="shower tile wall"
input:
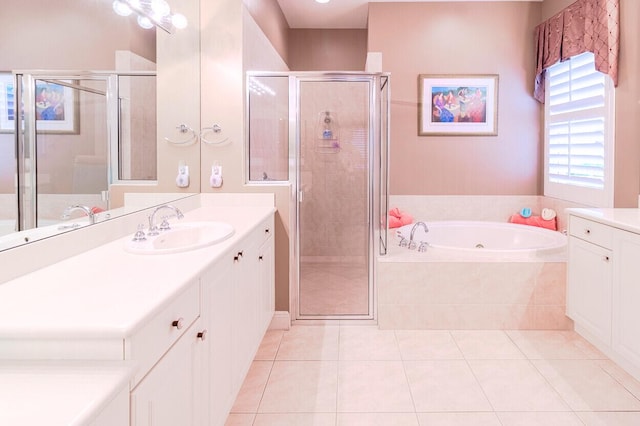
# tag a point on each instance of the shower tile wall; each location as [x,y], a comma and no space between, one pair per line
[138,127]
[335,184]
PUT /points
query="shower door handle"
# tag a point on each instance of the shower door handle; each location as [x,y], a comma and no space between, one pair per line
[300,196]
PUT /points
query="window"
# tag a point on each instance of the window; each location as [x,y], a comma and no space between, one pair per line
[579,136]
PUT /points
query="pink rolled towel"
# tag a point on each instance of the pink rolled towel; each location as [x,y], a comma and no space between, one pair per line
[534,221]
[398,218]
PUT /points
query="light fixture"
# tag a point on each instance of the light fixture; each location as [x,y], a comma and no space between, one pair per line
[179,21]
[160,8]
[151,13]
[145,22]
[323,1]
[121,8]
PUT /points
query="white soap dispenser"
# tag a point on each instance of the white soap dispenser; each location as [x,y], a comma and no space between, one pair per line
[182,180]
[216,176]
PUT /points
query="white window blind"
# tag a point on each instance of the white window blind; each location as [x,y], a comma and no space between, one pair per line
[579,133]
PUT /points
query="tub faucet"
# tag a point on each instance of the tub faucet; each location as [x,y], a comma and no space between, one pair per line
[67,212]
[164,225]
[413,244]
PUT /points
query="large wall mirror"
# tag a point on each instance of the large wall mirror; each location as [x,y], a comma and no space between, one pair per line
[105,95]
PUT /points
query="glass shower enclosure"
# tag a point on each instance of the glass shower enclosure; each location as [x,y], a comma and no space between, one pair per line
[337,156]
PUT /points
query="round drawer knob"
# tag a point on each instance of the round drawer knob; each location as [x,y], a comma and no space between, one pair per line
[202,335]
[266,231]
[178,323]
[587,231]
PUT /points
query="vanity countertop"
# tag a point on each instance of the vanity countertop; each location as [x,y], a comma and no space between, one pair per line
[30,391]
[108,293]
[627,219]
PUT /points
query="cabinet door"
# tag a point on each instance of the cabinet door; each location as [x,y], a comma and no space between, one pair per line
[167,395]
[626,296]
[589,288]
[245,309]
[266,280]
[217,312]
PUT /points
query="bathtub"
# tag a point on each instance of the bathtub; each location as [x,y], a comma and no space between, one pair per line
[486,237]
[474,275]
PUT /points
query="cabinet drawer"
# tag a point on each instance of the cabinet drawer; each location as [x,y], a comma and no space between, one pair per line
[591,231]
[149,343]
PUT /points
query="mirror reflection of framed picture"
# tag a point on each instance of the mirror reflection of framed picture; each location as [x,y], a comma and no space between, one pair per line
[458,105]
[56,106]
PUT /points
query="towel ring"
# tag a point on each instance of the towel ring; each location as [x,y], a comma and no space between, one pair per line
[183,128]
[216,129]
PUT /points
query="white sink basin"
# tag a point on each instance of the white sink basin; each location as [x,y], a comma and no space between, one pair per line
[182,237]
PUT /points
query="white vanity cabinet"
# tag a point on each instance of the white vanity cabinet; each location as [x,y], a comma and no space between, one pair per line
[171,393]
[186,326]
[603,288]
[590,277]
[626,296]
[237,306]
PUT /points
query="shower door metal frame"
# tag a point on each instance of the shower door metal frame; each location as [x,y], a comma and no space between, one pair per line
[376,178]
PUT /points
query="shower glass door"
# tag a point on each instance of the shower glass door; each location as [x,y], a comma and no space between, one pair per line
[334,198]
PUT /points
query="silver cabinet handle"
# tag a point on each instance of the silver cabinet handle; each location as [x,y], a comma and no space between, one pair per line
[202,335]
[178,323]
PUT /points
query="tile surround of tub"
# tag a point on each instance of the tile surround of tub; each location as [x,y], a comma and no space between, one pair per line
[472,295]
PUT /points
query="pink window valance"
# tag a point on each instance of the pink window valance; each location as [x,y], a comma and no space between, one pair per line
[584,26]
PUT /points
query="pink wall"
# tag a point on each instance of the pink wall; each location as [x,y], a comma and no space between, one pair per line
[461,38]
[271,20]
[327,50]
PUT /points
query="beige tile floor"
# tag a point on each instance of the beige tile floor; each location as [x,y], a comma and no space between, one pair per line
[359,375]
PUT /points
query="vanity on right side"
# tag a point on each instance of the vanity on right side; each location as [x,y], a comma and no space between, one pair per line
[603,285]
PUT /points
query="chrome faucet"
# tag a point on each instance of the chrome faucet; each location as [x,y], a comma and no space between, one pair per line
[164,225]
[67,212]
[413,244]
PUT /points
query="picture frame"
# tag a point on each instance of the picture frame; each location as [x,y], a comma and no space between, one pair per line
[458,105]
[56,106]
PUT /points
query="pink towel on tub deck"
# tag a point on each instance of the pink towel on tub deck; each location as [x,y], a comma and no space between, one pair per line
[398,218]
[534,221]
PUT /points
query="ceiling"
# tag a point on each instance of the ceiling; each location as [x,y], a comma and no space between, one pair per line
[339,13]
